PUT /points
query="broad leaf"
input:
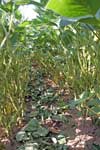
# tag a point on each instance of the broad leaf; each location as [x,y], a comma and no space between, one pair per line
[21,136]
[85,11]
[73,8]
[32,125]
[90,20]
[41,132]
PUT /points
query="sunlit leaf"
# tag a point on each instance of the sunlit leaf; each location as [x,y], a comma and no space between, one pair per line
[61,139]
[7,7]
[76,9]
[31,146]
[73,8]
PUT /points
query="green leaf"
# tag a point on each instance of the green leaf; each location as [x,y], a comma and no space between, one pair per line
[32,125]
[61,139]
[74,8]
[61,118]
[22,2]
[31,146]
[90,20]
[83,98]
[24,24]
[96,109]
[41,132]
[66,37]
[84,11]
[25,2]
[7,7]
[95,147]
[21,136]
[94,102]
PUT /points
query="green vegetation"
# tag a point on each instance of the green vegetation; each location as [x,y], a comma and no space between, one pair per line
[64,50]
[85,11]
[14,68]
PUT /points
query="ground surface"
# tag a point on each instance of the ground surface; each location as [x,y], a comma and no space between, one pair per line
[43,103]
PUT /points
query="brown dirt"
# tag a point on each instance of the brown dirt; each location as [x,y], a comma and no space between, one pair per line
[81,133]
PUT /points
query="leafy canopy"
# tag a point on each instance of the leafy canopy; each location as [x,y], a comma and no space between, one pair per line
[76,8]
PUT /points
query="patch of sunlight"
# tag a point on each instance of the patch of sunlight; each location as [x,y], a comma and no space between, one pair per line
[28,12]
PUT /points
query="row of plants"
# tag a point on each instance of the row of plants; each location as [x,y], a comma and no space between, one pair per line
[73,61]
[13,82]
[14,67]
[86,53]
[69,55]
[15,61]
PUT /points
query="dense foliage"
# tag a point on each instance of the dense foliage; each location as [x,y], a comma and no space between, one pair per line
[14,65]
[65,50]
